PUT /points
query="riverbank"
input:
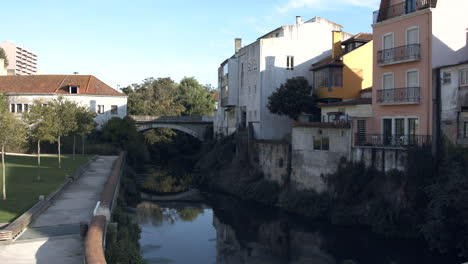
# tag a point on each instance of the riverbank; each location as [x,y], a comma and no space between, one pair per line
[397,204]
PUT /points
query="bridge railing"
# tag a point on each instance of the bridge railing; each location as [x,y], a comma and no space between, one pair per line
[175,119]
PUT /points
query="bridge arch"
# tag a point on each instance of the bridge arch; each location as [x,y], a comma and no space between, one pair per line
[144,127]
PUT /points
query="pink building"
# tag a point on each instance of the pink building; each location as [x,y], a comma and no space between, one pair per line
[411,38]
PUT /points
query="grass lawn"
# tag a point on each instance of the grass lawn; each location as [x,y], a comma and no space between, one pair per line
[23,188]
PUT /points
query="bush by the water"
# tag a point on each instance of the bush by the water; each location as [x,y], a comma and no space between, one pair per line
[161,181]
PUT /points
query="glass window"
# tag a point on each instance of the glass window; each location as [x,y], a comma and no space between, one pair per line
[464,77]
[26,107]
[290,62]
[388,81]
[100,109]
[465,132]
[388,41]
[317,143]
[19,108]
[325,143]
[13,108]
[399,127]
[412,79]
[114,110]
[412,36]
[447,78]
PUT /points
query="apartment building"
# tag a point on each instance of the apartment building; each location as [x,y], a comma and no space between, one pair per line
[21,60]
[255,71]
[3,69]
[411,39]
[86,90]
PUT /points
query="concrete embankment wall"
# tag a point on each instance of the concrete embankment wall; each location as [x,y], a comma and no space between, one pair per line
[383,159]
[96,235]
[272,158]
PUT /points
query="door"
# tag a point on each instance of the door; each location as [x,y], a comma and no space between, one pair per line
[361,132]
[412,86]
[400,132]
[388,92]
[387,131]
[413,126]
[410,6]
[388,53]
[412,39]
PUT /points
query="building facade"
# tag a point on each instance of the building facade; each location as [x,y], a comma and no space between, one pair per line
[453,85]
[86,90]
[255,71]
[411,38]
[3,69]
[21,60]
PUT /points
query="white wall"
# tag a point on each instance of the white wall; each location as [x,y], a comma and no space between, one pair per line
[449,33]
[90,101]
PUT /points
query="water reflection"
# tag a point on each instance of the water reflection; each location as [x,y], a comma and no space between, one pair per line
[236,232]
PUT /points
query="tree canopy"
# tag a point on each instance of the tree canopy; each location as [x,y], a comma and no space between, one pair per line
[3,56]
[292,98]
[196,98]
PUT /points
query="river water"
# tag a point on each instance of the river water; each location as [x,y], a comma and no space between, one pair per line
[226,230]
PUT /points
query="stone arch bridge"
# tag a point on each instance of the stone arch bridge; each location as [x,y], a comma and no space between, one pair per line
[196,126]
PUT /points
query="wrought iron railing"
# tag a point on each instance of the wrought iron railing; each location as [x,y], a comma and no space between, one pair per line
[391,141]
[405,7]
[399,95]
[399,54]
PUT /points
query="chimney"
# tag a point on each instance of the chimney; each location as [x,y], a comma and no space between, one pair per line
[298,20]
[238,44]
[337,50]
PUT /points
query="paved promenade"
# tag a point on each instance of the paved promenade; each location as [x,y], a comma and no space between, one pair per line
[54,236]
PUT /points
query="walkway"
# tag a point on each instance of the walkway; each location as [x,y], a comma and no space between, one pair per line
[54,236]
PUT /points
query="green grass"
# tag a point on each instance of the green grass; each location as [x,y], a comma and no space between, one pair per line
[23,188]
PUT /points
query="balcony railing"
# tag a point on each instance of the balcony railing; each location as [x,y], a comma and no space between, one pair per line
[401,54]
[409,95]
[391,141]
[405,7]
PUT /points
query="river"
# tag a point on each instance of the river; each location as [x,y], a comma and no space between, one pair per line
[226,230]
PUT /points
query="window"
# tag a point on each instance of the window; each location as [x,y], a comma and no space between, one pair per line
[387,79]
[388,41]
[328,77]
[446,77]
[255,89]
[100,109]
[321,143]
[289,62]
[412,36]
[464,77]
[26,107]
[19,108]
[399,127]
[73,89]
[114,110]
[13,108]
[250,90]
[412,78]
[465,131]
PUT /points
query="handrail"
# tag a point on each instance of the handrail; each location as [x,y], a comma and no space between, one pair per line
[94,252]
[399,54]
[410,95]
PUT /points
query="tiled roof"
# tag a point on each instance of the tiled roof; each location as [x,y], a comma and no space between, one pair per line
[348,102]
[55,84]
[359,37]
[323,124]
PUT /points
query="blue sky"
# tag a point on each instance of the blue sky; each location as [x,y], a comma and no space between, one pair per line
[123,42]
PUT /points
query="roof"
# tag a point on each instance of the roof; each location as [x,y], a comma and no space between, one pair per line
[361,37]
[348,102]
[55,84]
[338,124]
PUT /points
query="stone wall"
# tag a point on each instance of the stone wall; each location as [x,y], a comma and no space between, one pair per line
[383,159]
[272,159]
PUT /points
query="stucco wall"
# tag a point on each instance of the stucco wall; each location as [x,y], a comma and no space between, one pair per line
[309,165]
[84,100]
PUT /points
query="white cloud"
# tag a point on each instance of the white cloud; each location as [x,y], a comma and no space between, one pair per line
[325,4]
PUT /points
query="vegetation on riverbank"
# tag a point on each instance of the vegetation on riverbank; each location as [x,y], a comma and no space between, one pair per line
[23,188]
[424,201]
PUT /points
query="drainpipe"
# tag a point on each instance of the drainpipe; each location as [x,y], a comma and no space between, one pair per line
[436,137]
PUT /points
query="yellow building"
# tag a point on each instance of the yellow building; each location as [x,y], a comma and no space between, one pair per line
[343,75]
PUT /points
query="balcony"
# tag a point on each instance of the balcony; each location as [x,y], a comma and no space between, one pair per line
[397,96]
[391,141]
[403,8]
[403,54]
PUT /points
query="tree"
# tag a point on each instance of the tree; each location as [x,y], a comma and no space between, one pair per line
[12,131]
[85,125]
[196,98]
[64,112]
[292,98]
[4,56]
[3,103]
[41,123]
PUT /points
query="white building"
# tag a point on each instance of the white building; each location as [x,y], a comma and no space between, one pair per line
[22,61]
[454,102]
[3,69]
[254,72]
[86,90]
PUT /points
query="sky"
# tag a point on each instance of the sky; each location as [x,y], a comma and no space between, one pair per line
[124,42]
